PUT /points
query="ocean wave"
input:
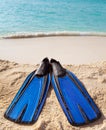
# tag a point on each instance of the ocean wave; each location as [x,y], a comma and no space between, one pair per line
[50,34]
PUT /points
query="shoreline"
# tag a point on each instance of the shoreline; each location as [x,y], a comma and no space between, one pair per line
[67,49]
[19,35]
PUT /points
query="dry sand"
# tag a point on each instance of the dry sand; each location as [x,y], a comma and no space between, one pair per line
[85,56]
[52,117]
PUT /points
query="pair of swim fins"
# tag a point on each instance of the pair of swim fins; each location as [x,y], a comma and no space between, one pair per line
[74,99]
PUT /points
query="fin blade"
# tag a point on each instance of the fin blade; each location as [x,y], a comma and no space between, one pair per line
[72,98]
[84,91]
[22,113]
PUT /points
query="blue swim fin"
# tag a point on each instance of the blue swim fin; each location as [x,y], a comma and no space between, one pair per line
[28,102]
[74,99]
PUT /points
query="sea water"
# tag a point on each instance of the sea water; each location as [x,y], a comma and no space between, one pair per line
[52,16]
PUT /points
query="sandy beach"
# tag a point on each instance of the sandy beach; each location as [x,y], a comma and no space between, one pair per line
[83,55]
[67,49]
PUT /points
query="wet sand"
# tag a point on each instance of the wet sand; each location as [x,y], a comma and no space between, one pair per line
[67,49]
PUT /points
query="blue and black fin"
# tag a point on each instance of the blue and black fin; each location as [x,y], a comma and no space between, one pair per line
[74,99]
[28,102]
